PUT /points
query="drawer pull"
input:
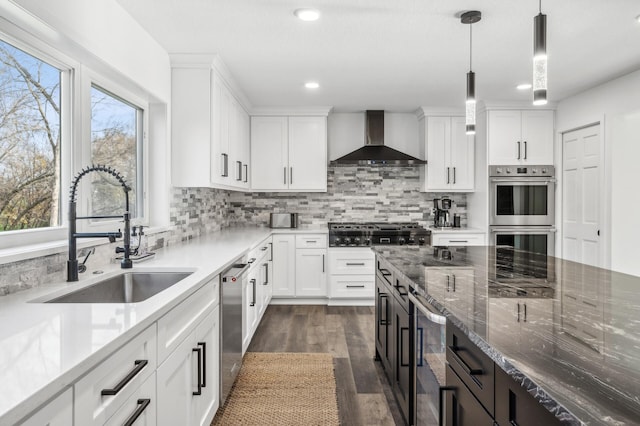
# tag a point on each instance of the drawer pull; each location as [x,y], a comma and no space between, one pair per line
[355,264]
[458,241]
[139,365]
[263,248]
[310,241]
[142,405]
[355,286]
[253,284]
[199,351]
[385,272]
[250,261]
[442,390]
[470,371]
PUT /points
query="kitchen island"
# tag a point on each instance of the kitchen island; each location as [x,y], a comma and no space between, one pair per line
[568,333]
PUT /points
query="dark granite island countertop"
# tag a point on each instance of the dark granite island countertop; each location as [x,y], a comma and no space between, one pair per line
[577,350]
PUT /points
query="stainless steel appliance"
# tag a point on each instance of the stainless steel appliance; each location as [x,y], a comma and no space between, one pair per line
[430,361]
[522,254]
[233,280]
[522,195]
[283,220]
[351,234]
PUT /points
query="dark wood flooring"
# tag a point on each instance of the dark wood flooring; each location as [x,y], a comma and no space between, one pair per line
[346,332]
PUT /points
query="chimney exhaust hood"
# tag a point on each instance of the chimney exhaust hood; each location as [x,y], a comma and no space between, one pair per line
[374,152]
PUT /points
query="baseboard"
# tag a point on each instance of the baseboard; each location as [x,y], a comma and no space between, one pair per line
[322,301]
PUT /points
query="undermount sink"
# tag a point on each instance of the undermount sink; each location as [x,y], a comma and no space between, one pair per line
[129,287]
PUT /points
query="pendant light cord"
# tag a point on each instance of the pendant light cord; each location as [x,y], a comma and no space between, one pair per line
[540,6]
[470,43]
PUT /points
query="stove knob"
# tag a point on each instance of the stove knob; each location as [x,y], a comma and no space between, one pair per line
[412,240]
[508,171]
[336,240]
[401,240]
[347,240]
[356,241]
[421,241]
[534,171]
[544,171]
[367,242]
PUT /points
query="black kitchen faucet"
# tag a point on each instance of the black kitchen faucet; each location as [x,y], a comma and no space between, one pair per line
[72,263]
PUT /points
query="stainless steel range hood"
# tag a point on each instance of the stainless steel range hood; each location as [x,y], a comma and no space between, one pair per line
[374,152]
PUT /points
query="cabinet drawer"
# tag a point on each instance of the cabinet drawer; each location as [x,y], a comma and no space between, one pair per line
[461,408]
[311,241]
[348,261]
[181,320]
[260,251]
[141,406]
[473,367]
[516,406]
[352,286]
[120,375]
[457,239]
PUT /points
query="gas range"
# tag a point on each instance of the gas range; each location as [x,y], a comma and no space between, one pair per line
[352,234]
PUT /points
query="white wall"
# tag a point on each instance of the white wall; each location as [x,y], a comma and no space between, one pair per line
[617,105]
[346,133]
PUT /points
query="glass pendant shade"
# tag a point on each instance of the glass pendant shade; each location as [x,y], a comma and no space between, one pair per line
[470,120]
[540,60]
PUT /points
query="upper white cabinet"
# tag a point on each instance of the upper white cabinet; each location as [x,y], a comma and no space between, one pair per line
[520,137]
[209,126]
[449,154]
[289,153]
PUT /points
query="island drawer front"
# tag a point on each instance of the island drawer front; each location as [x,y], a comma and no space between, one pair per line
[457,239]
[461,408]
[514,405]
[351,261]
[352,286]
[472,365]
[121,374]
[182,320]
[311,241]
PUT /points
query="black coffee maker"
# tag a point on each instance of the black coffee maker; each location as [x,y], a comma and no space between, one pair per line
[442,218]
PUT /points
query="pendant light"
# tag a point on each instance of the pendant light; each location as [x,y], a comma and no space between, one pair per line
[470,18]
[540,58]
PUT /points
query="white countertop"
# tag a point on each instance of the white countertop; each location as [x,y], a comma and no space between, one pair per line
[44,347]
[447,230]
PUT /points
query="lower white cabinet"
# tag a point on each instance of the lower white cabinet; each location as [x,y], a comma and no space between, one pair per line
[352,273]
[110,385]
[140,408]
[457,238]
[188,380]
[58,412]
[249,309]
[284,267]
[311,272]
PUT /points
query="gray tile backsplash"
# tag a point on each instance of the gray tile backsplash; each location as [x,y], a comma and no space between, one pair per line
[354,193]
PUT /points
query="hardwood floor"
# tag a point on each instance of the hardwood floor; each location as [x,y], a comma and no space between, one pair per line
[346,332]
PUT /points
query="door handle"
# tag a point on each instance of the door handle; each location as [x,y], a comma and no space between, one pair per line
[382,321]
[441,392]
[284,169]
[454,283]
[323,263]
[447,175]
[139,365]
[204,363]
[518,312]
[525,150]
[447,283]
[225,165]
[199,352]
[402,363]
[246,173]
[271,251]
[253,283]
[525,312]
[420,362]
[266,273]
[454,175]
[518,150]
[142,405]
[512,408]
[239,171]
[290,175]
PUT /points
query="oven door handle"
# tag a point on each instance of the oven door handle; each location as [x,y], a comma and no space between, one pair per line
[523,229]
[428,311]
[524,180]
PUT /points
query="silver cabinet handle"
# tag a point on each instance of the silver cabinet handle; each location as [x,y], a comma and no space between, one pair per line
[525,312]
[225,165]
[355,286]
[447,283]
[518,311]
[447,175]
[285,175]
[246,173]
[525,150]
[323,263]
[518,150]
[266,273]
[355,264]
[458,241]
[454,175]
[239,171]
[454,283]
[290,175]
[253,283]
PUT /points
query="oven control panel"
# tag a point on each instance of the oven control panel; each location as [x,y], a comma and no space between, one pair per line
[517,171]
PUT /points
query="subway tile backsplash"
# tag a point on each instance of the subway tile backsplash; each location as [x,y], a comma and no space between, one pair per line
[354,193]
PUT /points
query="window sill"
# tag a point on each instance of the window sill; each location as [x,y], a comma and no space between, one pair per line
[32,251]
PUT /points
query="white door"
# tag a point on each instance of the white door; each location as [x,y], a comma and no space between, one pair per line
[504,135]
[284,267]
[176,381]
[438,141]
[269,153]
[308,153]
[581,206]
[311,272]
[537,137]
[462,156]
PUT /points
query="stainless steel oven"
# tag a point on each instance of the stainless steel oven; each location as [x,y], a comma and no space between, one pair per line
[522,195]
[522,254]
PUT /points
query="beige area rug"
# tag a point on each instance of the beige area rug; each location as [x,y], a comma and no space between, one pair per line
[282,389]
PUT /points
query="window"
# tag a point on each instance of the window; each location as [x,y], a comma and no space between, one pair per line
[116,141]
[30,141]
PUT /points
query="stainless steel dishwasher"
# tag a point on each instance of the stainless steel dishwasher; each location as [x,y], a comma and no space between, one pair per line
[233,280]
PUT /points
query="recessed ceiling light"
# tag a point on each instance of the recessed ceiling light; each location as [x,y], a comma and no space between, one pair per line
[312,85]
[307,14]
[523,86]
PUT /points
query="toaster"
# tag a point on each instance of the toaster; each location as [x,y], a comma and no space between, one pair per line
[283,220]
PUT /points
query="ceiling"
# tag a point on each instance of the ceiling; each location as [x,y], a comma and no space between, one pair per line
[397,54]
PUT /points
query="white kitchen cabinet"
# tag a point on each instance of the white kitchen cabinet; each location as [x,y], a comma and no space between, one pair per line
[58,412]
[249,309]
[520,137]
[289,153]
[209,128]
[450,155]
[311,272]
[188,381]
[351,273]
[457,238]
[284,266]
[102,391]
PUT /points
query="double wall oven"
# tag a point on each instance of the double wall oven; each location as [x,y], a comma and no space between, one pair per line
[522,224]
